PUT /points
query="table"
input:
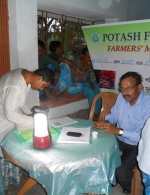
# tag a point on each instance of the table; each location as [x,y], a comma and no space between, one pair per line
[70,169]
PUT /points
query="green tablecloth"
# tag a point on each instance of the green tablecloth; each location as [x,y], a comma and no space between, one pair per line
[69,169]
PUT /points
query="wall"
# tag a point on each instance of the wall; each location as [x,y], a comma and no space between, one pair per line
[138,10]
[23,38]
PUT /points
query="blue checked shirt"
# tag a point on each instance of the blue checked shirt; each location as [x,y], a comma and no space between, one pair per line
[130,118]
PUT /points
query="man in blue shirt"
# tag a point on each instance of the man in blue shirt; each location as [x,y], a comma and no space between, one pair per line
[126,121]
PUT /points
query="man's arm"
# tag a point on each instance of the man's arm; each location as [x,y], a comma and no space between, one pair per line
[11,109]
[71,64]
[107,127]
[89,79]
[49,95]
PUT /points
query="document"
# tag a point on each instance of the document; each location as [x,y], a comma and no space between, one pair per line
[26,136]
[84,138]
[59,122]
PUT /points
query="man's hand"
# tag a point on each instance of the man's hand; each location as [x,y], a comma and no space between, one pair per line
[78,72]
[108,128]
[30,115]
[98,125]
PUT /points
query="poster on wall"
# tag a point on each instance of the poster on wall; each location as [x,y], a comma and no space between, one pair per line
[118,48]
[105,78]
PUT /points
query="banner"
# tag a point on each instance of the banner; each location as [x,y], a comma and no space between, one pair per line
[118,48]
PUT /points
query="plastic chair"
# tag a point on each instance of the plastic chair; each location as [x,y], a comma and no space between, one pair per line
[108,100]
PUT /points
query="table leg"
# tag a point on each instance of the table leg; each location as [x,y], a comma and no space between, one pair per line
[29,184]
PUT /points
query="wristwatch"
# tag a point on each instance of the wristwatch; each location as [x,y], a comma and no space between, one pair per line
[120,131]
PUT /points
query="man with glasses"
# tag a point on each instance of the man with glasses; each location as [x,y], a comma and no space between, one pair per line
[126,121]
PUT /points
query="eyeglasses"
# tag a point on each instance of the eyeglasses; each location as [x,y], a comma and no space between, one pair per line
[129,89]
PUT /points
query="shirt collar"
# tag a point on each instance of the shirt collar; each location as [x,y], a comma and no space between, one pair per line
[139,100]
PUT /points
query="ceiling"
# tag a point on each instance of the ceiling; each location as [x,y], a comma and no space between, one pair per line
[67,9]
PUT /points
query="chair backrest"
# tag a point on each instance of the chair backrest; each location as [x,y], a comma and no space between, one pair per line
[108,101]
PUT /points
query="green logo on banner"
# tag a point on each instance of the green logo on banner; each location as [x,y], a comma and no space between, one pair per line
[95,38]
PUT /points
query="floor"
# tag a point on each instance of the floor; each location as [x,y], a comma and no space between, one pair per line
[39,190]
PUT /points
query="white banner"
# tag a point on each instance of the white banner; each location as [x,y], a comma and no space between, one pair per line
[118,48]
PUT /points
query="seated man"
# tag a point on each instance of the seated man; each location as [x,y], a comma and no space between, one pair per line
[57,51]
[90,88]
[129,113]
[65,84]
[62,82]
[44,60]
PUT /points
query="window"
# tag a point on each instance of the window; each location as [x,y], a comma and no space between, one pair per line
[66,29]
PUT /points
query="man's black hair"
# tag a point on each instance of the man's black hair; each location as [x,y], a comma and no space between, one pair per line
[47,74]
[41,43]
[135,75]
[53,45]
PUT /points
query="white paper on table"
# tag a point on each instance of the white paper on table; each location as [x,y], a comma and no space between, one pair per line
[59,122]
[84,138]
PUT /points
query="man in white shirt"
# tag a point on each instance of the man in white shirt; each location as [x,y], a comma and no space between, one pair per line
[14,87]
[144,156]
